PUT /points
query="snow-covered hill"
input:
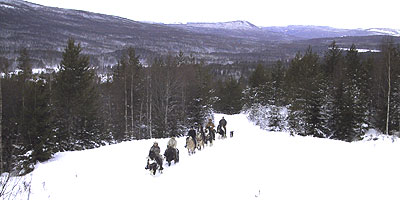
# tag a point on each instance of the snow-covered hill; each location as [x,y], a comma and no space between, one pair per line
[311,32]
[254,164]
[233,25]
[384,31]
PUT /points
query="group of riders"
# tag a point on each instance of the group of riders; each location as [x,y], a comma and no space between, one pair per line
[194,140]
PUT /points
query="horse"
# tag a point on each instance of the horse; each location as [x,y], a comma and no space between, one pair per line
[221,132]
[171,154]
[190,145]
[200,141]
[154,163]
[211,135]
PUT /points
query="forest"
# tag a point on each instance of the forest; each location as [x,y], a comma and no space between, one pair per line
[340,95]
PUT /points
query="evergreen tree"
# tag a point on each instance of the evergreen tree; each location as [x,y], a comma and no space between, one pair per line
[333,74]
[277,82]
[276,119]
[24,80]
[229,95]
[75,99]
[10,124]
[342,129]
[305,81]
[357,87]
[333,62]
[39,137]
[198,94]
[394,124]
[3,69]
[118,110]
[294,98]
[259,89]
[258,77]
[31,139]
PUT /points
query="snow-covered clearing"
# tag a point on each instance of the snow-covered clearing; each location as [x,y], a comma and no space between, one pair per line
[254,164]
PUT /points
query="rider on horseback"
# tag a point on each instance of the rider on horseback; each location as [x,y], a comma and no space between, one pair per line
[210,127]
[223,123]
[202,133]
[171,153]
[210,124]
[192,133]
[155,154]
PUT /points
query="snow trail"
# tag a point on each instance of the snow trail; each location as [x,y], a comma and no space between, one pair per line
[254,164]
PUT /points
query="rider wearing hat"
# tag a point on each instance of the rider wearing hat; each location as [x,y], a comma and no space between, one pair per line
[155,154]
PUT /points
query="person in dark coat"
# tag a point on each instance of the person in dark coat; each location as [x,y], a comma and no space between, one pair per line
[223,123]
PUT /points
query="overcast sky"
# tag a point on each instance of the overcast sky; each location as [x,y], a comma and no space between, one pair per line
[334,13]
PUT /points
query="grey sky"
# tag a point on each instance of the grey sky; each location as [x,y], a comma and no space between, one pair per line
[337,13]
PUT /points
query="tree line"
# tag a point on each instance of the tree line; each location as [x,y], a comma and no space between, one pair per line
[340,95]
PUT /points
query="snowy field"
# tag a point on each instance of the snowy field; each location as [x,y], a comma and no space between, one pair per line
[254,164]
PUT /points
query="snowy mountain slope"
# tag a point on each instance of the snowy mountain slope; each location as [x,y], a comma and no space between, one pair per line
[385,31]
[311,32]
[254,164]
[233,25]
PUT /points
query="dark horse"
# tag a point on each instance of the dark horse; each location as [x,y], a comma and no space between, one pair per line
[154,162]
[221,132]
[211,135]
[171,154]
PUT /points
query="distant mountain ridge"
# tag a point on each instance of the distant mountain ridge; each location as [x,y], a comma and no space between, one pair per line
[310,32]
[296,31]
[233,25]
[44,31]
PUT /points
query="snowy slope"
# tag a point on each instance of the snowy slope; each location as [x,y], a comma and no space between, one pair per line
[254,164]
[232,25]
[385,31]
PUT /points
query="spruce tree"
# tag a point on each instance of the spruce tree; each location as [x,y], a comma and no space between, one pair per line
[117,115]
[3,69]
[229,97]
[24,80]
[258,77]
[333,87]
[356,86]
[294,96]
[258,90]
[276,102]
[198,94]
[39,137]
[304,82]
[277,82]
[75,97]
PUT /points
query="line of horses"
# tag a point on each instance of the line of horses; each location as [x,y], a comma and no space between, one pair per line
[204,138]
[207,137]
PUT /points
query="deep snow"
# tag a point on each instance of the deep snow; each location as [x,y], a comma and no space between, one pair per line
[254,164]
